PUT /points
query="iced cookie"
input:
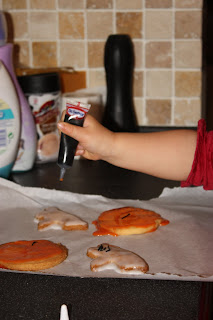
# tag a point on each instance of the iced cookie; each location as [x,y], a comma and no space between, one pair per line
[31,255]
[53,218]
[127,221]
[107,256]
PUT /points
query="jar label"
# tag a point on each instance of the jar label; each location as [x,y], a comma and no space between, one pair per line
[46,111]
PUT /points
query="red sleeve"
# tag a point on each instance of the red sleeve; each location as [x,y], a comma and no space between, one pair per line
[202,168]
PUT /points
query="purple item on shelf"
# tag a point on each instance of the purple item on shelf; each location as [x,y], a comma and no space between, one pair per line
[28,140]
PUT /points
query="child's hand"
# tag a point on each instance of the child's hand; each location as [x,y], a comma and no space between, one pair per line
[95,141]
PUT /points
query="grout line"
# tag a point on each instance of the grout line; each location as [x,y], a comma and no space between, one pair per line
[144,120]
[109,10]
[169,98]
[114,16]
[29,34]
[86,45]
[173,66]
[58,43]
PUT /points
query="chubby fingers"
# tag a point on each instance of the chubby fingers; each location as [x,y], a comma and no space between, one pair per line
[77,132]
[95,141]
[71,130]
[80,150]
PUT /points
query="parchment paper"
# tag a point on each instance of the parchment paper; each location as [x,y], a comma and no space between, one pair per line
[181,250]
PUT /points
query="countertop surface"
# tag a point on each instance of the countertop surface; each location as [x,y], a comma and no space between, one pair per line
[34,297]
[95,177]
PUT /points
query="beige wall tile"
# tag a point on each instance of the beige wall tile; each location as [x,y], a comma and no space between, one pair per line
[14,4]
[188,54]
[158,3]
[72,54]
[10,26]
[158,24]
[71,4]
[42,4]
[71,25]
[21,54]
[44,54]
[158,112]
[187,112]
[187,83]
[18,24]
[96,54]
[138,103]
[99,4]
[74,33]
[43,25]
[188,24]
[158,84]
[138,84]
[158,54]
[99,24]
[124,4]
[138,53]
[189,4]
[97,78]
[129,23]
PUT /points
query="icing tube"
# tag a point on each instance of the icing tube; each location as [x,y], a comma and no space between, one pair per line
[75,114]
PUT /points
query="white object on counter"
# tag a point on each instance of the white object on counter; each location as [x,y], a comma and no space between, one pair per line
[10,122]
[42,91]
[95,97]
[28,143]
[27,140]
[64,313]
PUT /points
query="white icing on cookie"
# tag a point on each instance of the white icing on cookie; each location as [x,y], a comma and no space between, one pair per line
[53,218]
[120,260]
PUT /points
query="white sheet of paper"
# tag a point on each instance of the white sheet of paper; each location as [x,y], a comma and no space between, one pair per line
[182,250]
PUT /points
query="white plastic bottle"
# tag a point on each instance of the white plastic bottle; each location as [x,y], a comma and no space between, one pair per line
[10,122]
[28,138]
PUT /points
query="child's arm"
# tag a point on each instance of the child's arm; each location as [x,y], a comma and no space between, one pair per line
[167,154]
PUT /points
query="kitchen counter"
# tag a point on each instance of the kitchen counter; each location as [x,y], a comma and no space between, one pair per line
[37,297]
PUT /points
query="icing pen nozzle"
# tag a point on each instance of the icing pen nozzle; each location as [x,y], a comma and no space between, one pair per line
[62,173]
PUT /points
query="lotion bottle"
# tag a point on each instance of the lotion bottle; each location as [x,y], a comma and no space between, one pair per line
[28,139]
[10,127]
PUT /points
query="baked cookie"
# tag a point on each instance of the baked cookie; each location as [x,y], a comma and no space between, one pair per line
[31,255]
[126,221]
[107,256]
[53,218]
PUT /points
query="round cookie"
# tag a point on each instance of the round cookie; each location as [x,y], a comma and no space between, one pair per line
[127,221]
[31,255]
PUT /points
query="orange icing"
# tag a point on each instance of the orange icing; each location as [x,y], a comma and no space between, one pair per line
[127,217]
[24,251]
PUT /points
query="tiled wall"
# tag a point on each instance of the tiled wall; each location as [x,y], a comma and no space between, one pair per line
[166,36]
